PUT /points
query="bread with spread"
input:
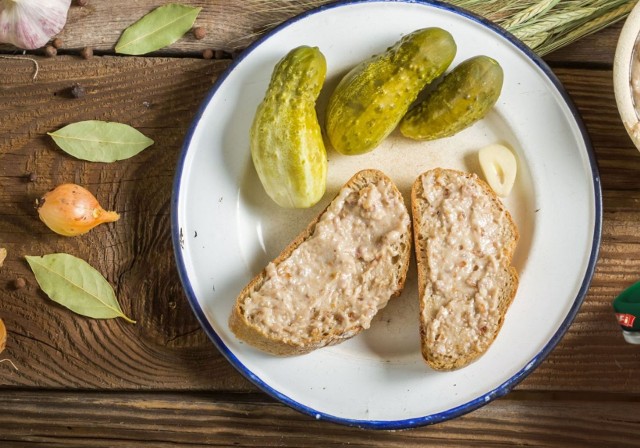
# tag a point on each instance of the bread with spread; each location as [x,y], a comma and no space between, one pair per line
[464,242]
[329,283]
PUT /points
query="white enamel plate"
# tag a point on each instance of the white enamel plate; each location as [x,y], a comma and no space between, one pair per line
[225,229]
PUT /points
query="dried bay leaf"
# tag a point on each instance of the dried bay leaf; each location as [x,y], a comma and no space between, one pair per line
[158,29]
[75,284]
[100,141]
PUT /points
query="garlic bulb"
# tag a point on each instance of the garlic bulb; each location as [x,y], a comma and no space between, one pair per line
[72,210]
[29,24]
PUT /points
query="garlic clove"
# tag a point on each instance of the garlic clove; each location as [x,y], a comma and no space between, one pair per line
[72,210]
[30,24]
[499,167]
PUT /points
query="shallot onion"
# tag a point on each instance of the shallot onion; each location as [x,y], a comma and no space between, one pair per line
[72,210]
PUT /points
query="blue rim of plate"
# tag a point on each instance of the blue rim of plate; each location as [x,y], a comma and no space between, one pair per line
[476,403]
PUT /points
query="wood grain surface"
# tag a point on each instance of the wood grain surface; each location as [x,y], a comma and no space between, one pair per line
[83,382]
[166,347]
[198,419]
[229,25]
[233,25]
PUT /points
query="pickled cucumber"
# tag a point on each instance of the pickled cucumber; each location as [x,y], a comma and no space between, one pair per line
[286,142]
[372,98]
[463,97]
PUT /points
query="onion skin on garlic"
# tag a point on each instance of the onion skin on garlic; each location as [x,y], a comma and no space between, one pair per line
[3,336]
[30,24]
[71,210]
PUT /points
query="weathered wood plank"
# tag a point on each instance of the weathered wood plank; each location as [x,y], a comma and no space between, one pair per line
[229,25]
[167,349]
[99,419]
[232,26]
[595,337]
[597,48]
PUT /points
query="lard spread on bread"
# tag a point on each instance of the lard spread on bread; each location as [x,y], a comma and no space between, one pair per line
[464,242]
[329,283]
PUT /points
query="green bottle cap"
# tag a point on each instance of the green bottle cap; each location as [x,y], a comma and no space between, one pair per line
[627,309]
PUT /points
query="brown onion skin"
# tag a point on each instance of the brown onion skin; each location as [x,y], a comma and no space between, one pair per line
[72,210]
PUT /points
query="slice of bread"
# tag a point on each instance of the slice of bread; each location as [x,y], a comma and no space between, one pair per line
[464,242]
[329,283]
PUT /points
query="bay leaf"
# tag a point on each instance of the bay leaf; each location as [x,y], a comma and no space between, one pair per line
[100,141]
[158,29]
[75,284]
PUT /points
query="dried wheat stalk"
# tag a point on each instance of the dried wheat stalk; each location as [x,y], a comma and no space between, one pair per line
[544,25]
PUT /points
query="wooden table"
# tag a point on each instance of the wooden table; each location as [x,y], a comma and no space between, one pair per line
[83,382]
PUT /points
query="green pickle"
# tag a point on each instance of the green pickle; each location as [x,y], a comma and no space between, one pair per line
[286,141]
[462,98]
[372,98]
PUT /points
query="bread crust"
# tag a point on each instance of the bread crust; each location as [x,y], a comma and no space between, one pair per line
[257,337]
[510,279]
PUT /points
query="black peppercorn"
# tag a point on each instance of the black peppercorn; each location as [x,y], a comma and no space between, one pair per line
[207,54]
[77,91]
